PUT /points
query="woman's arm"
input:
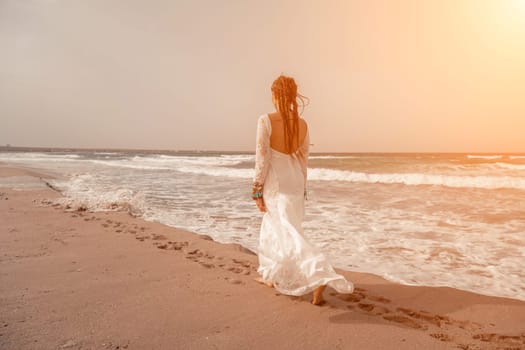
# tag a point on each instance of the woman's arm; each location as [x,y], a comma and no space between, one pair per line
[262,160]
[304,152]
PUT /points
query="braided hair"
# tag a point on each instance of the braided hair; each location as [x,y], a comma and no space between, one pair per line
[284,90]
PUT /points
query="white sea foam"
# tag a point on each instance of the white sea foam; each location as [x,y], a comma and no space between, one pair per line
[488,182]
[473,156]
[411,179]
[128,164]
[212,167]
[174,161]
[84,190]
[219,171]
[516,157]
[334,157]
[511,166]
[33,156]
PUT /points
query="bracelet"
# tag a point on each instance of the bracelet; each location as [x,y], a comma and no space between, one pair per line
[257,195]
[257,191]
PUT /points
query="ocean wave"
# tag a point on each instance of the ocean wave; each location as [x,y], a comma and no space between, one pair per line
[471,156]
[128,164]
[219,171]
[410,179]
[31,157]
[516,157]
[174,161]
[511,166]
[333,157]
[487,182]
[81,191]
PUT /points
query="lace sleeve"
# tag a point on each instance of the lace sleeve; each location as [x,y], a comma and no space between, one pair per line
[262,150]
[304,152]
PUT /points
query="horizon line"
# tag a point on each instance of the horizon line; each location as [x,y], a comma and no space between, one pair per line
[152,150]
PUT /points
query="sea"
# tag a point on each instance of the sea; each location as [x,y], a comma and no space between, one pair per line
[455,220]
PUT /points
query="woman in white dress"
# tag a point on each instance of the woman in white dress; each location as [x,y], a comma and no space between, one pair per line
[287,261]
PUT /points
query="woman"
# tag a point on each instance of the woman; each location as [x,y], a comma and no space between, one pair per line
[287,261]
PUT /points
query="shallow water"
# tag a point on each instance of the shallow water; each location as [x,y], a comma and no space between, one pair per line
[453,220]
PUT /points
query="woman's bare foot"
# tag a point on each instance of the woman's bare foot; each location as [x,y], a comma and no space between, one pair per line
[318,296]
[267,284]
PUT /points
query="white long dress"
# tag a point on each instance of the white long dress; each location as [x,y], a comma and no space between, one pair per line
[286,258]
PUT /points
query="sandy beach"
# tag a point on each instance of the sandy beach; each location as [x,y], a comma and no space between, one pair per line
[73,279]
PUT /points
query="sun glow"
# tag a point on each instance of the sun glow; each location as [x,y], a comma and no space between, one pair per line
[512,14]
[518,4]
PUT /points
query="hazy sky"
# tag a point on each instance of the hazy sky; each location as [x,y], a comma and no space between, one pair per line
[382,75]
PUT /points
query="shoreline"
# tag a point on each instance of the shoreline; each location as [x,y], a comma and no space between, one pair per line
[77,280]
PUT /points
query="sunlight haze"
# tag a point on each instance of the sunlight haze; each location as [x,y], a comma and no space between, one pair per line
[382,76]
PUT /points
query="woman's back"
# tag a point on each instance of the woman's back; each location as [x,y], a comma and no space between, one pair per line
[277,137]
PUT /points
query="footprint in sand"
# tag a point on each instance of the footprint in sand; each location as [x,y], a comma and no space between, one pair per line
[233,280]
[206,265]
[352,298]
[406,321]
[470,347]
[209,260]
[234,269]
[361,301]
[171,245]
[372,309]
[510,340]
[157,237]
[436,320]
[194,254]
[441,336]
[423,320]
[203,258]
[116,345]
[379,299]
[243,263]
[241,267]
[178,245]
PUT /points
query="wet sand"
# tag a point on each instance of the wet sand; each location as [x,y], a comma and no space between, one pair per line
[72,279]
